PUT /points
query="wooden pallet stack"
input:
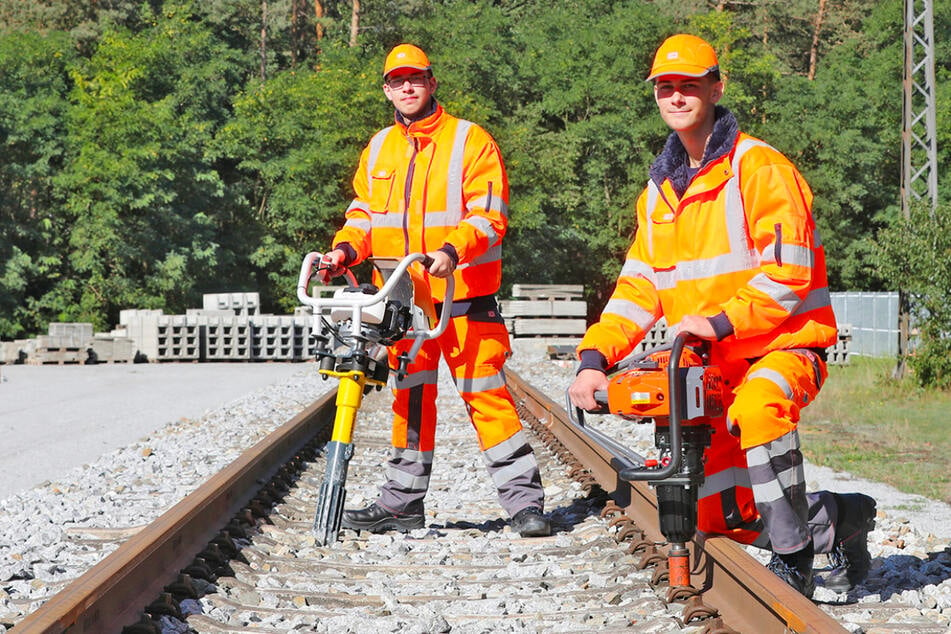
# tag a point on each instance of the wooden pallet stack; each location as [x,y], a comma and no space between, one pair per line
[550,311]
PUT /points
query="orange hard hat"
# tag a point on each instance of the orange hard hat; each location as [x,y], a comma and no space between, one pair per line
[406,56]
[686,55]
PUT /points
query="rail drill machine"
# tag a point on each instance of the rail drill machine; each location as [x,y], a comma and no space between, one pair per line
[677,389]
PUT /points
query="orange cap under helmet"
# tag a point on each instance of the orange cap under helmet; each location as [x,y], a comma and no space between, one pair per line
[406,56]
[686,55]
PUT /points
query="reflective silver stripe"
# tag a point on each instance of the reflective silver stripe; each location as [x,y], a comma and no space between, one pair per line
[505,449]
[630,311]
[482,224]
[376,144]
[408,480]
[774,377]
[768,491]
[357,204]
[480,384]
[652,195]
[711,267]
[413,455]
[441,219]
[508,473]
[817,298]
[391,220]
[791,254]
[493,254]
[636,268]
[724,480]
[778,292]
[454,171]
[495,204]
[423,377]
[358,223]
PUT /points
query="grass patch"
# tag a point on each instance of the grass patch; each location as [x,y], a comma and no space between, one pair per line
[880,428]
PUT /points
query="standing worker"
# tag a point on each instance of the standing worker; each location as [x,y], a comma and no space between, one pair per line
[727,250]
[436,184]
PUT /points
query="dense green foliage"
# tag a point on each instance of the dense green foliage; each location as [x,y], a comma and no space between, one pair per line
[917,250]
[156,150]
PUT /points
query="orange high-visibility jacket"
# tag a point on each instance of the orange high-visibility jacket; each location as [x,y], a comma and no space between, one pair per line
[741,241]
[439,181]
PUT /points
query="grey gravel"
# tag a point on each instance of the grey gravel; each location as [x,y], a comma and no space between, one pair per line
[133,484]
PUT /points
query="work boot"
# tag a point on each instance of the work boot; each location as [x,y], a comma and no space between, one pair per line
[850,557]
[798,574]
[377,519]
[530,522]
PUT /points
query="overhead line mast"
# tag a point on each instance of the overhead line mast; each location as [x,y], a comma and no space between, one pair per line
[919,171]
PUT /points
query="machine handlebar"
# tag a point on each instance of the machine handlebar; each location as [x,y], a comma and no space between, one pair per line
[359,301]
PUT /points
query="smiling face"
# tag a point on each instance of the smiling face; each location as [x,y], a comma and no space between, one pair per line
[410,90]
[687,104]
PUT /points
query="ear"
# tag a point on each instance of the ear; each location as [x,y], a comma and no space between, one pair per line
[717,93]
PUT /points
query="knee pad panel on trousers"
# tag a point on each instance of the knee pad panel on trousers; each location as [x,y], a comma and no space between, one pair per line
[768,400]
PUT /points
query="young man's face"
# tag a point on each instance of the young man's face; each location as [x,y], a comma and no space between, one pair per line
[409,89]
[687,103]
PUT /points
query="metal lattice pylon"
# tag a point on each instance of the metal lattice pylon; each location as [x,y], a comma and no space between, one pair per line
[919,148]
[919,179]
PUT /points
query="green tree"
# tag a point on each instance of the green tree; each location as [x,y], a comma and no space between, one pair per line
[33,88]
[295,140]
[147,205]
[917,251]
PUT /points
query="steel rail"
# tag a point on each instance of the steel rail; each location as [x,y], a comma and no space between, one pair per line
[748,597]
[109,596]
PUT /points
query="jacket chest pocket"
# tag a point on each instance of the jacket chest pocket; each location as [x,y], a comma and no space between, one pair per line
[382,194]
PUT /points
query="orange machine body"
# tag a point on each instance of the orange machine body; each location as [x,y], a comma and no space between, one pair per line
[643,391]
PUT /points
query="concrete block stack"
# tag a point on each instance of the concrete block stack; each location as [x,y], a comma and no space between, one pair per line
[179,338]
[280,337]
[225,337]
[240,304]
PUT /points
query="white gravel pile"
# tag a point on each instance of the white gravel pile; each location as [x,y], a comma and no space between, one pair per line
[135,484]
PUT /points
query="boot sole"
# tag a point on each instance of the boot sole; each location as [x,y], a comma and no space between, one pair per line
[389,524]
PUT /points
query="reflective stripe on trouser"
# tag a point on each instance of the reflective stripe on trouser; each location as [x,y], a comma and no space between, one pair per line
[475,352]
[763,401]
[779,489]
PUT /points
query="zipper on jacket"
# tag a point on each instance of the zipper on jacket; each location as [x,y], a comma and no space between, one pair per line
[407,191]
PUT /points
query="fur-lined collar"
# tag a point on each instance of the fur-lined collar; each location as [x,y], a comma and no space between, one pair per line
[674,164]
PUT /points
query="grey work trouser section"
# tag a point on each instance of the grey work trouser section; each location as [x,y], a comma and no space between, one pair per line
[514,470]
[407,480]
[779,490]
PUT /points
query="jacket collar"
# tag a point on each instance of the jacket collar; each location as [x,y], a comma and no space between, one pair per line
[673,163]
[425,123]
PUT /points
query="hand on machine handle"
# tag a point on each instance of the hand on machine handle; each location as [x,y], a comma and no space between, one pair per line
[439,264]
[589,386]
[331,265]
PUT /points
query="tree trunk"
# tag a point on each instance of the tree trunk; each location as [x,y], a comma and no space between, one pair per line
[354,22]
[814,50]
[263,40]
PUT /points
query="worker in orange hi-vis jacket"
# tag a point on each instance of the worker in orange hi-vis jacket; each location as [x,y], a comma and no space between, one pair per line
[435,184]
[728,252]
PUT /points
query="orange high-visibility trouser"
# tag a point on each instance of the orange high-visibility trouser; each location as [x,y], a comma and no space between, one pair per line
[763,399]
[475,352]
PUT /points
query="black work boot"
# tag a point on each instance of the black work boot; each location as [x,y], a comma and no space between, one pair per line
[377,519]
[796,570]
[850,557]
[530,522]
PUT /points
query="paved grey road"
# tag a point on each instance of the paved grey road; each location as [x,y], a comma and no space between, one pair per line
[57,417]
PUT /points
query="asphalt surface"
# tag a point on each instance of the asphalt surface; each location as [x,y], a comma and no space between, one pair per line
[54,418]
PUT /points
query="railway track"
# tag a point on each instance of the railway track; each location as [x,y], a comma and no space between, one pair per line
[237,554]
